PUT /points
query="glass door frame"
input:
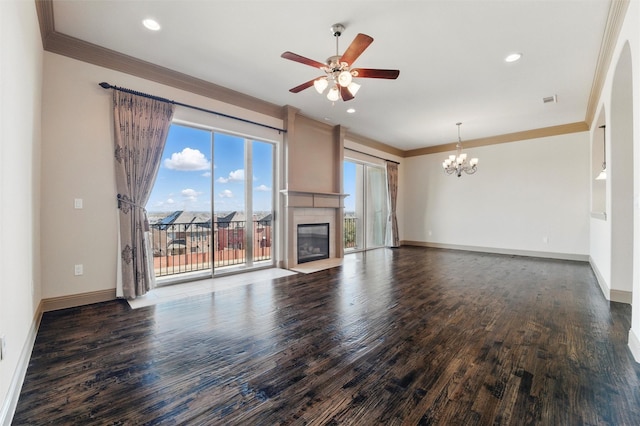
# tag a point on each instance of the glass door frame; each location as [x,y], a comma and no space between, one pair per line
[249,234]
[249,263]
[362,189]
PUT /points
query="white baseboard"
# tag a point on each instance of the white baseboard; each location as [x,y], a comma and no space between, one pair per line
[602,283]
[11,401]
[513,252]
[621,296]
[634,345]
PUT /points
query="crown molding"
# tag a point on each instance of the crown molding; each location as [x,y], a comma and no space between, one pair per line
[370,143]
[62,44]
[615,19]
[562,129]
[55,42]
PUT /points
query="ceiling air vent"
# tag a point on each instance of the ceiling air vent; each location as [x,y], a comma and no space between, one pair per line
[550,99]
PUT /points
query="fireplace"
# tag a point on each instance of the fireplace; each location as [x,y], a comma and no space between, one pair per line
[313,242]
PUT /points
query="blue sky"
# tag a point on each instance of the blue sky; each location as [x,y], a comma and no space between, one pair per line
[188,169]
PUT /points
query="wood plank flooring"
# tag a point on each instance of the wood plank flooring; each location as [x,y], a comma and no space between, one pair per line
[409,336]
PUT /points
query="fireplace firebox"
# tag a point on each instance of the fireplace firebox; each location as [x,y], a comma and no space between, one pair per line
[313,242]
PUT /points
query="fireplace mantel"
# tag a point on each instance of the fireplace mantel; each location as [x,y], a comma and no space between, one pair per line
[309,199]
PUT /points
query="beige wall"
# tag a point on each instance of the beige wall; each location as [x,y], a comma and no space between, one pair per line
[311,159]
[527,196]
[20,87]
[78,163]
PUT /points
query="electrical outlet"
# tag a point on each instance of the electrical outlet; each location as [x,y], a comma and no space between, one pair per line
[77,203]
[3,348]
[78,270]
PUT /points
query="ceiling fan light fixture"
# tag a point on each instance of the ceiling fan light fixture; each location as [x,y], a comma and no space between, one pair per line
[353,88]
[345,78]
[334,94]
[338,69]
[320,84]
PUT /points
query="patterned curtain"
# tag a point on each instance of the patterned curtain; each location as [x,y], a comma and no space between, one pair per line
[392,184]
[141,128]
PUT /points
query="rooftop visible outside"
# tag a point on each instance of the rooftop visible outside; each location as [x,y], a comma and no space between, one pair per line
[196,241]
[198,214]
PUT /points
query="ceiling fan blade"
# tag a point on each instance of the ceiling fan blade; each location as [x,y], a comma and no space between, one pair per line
[355,49]
[345,94]
[303,86]
[375,73]
[297,58]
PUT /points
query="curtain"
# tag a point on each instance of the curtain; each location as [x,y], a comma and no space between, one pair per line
[141,127]
[392,185]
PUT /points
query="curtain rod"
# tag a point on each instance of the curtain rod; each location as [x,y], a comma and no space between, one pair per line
[371,155]
[158,98]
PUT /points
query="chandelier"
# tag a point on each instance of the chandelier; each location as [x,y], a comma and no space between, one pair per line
[458,163]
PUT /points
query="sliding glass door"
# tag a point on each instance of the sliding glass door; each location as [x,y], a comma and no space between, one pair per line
[211,208]
[243,206]
[366,211]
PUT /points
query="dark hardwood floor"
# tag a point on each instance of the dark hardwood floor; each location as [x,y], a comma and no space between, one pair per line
[404,336]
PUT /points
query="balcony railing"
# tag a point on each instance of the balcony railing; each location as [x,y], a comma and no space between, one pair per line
[188,247]
[350,232]
[179,248]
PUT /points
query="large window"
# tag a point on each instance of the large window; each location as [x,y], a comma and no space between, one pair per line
[211,208]
[366,208]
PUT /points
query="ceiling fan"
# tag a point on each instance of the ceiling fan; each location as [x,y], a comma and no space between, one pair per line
[338,69]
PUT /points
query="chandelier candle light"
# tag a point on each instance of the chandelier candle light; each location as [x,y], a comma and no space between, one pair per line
[458,163]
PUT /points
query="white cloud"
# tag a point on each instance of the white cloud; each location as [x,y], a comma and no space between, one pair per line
[263,188]
[234,176]
[187,160]
[190,194]
[206,174]
[226,194]
[170,201]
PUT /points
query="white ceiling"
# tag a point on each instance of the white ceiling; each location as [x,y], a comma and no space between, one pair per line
[450,55]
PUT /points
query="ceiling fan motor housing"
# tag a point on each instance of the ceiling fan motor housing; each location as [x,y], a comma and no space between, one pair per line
[337,30]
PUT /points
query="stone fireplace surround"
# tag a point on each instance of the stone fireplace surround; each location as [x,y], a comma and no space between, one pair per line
[312,208]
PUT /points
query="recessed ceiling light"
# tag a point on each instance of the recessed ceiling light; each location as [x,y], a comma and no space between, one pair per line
[351,110]
[151,24]
[513,57]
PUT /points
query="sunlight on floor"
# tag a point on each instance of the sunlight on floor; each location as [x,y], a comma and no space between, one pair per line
[195,288]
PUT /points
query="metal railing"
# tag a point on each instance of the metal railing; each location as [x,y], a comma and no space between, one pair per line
[179,248]
[188,247]
[350,232]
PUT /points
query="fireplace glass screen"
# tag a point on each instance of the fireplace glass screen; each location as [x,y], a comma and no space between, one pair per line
[313,242]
